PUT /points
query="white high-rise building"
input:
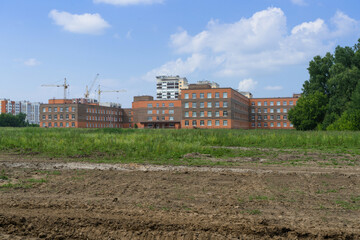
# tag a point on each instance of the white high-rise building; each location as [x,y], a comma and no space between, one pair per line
[169,87]
[32,110]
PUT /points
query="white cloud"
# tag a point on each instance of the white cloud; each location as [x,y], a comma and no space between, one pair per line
[128,35]
[247,85]
[260,43]
[86,23]
[128,2]
[32,62]
[299,2]
[273,88]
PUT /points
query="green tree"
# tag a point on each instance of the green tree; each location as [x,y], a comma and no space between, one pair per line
[309,111]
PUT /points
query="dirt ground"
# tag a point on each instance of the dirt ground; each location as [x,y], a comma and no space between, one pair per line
[53,199]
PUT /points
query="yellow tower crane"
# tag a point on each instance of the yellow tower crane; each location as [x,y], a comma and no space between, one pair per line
[65,86]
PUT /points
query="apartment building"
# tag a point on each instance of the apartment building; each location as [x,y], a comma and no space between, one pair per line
[169,87]
[60,113]
[271,113]
[150,113]
[207,107]
[15,107]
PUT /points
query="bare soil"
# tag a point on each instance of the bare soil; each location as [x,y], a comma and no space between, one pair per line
[54,199]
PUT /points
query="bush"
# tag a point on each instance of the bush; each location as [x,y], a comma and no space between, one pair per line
[348,121]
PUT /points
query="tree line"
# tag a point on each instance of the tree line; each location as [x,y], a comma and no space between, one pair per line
[9,120]
[331,97]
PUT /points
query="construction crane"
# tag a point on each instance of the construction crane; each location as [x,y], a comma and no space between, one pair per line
[88,90]
[102,91]
[65,86]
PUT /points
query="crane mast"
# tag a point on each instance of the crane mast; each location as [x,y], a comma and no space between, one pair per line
[88,90]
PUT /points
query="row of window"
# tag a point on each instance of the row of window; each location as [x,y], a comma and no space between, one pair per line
[158,118]
[208,114]
[61,117]
[102,111]
[208,123]
[150,105]
[208,105]
[171,111]
[272,110]
[59,109]
[101,125]
[100,118]
[265,117]
[278,103]
[208,95]
[265,124]
[67,124]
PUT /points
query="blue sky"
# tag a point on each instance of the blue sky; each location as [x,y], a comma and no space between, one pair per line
[262,46]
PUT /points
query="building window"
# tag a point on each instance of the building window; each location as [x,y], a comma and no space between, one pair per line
[186,114]
[157,118]
[259,117]
[285,110]
[49,109]
[194,105]
[186,123]
[55,117]
[149,112]
[271,124]
[202,123]
[217,123]
[259,104]
[252,124]
[61,124]
[217,95]
[265,110]
[209,104]
[265,103]
[278,124]
[209,122]
[73,116]
[43,117]
[67,109]
[225,122]
[202,105]
[186,105]
[278,103]
[49,117]
[163,111]
[217,104]
[194,122]
[271,103]
[55,109]
[194,96]
[67,116]
[278,117]
[284,103]
[43,125]
[252,103]
[278,110]
[201,95]
[259,124]
[217,114]
[67,124]
[291,103]
[225,104]
[285,117]
[259,110]
[73,124]
[285,124]
[186,96]
[252,117]
[171,118]
[265,124]
[150,105]
[163,118]
[149,118]
[193,114]
[225,113]
[171,111]
[202,114]
[209,114]
[208,95]
[73,109]
[171,104]
[225,95]
[44,109]
[252,110]
[265,117]
[163,105]
[271,110]
[291,125]
[49,124]
[272,117]
[61,117]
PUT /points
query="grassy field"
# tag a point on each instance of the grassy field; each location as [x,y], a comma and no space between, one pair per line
[169,146]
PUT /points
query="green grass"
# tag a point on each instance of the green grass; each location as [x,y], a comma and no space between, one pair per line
[3,176]
[169,146]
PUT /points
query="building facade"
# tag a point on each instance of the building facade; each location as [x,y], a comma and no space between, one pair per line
[207,107]
[271,113]
[15,107]
[150,113]
[169,87]
[60,113]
